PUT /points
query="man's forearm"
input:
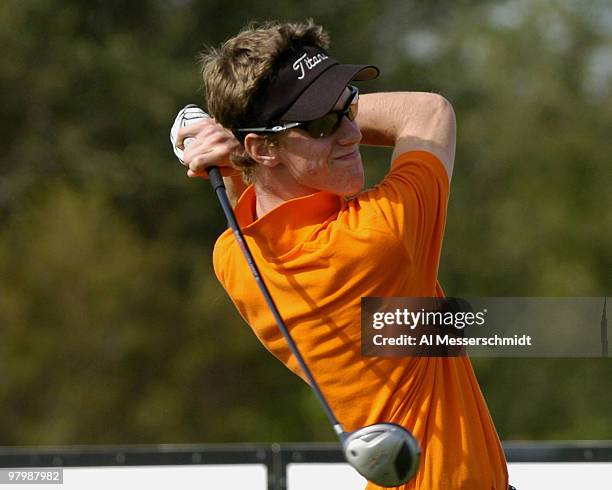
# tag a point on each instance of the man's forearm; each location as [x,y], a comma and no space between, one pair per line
[377,128]
[409,121]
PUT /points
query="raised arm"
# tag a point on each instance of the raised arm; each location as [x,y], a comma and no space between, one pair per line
[409,121]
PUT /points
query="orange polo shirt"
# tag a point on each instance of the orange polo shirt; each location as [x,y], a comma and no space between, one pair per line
[318,255]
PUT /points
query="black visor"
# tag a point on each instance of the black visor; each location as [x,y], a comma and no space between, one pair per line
[306,86]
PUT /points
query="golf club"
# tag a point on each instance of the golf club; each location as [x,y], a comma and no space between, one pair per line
[386,454]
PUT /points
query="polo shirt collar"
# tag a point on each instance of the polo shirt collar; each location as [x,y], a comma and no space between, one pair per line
[288,224]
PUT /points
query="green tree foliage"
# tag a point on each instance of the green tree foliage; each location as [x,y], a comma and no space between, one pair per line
[113,328]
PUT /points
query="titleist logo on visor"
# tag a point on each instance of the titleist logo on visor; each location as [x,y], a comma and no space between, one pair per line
[304,85]
[307,63]
[295,74]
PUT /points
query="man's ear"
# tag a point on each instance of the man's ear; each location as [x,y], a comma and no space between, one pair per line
[260,151]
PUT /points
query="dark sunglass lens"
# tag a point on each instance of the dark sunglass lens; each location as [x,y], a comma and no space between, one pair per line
[324,126]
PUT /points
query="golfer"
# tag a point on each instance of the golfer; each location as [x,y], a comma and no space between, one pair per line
[287,128]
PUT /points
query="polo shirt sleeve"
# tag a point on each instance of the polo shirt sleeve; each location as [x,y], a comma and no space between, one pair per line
[411,201]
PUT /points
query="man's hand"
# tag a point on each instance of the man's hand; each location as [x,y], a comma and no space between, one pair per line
[200,142]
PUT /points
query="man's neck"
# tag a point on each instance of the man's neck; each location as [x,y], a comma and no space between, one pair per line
[267,200]
[271,192]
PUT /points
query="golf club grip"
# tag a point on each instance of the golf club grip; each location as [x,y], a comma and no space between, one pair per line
[214,174]
[216,181]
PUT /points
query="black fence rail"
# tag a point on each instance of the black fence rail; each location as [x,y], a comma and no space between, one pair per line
[275,457]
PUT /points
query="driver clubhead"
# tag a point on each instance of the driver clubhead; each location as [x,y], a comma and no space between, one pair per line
[385,454]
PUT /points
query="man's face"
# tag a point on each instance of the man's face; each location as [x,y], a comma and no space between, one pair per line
[330,164]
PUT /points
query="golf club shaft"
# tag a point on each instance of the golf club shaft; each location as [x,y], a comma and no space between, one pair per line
[219,188]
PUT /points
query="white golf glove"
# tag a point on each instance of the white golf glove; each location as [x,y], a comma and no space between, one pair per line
[189,114]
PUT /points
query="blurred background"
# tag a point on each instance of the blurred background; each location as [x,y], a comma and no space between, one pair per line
[113,328]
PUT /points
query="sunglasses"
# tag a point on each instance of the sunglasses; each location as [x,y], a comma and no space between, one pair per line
[317,128]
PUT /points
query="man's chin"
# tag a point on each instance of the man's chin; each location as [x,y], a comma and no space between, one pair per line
[354,188]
